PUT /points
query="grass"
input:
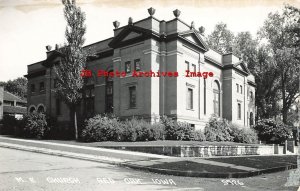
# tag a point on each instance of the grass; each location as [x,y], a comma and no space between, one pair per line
[260,162]
[194,166]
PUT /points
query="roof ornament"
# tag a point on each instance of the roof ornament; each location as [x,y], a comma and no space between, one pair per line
[151,11]
[130,21]
[116,24]
[48,48]
[201,30]
[176,13]
[192,25]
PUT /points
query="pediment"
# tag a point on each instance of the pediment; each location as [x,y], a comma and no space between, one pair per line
[131,35]
[194,38]
[241,66]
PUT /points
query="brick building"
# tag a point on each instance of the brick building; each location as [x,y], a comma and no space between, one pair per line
[153,45]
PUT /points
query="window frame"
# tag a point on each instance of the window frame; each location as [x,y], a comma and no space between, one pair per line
[32,88]
[190,99]
[194,67]
[139,64]
[132,97]
[187,65]
[127,63]
[42,84]
[239,111]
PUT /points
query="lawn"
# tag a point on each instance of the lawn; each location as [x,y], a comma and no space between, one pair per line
[194,166]
[259,162]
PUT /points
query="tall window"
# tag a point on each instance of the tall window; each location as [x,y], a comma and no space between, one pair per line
[109,104]
[42,86]
[189,99]
[127,67]
[251,119]
[132,97]
[241,89]
[237,88]
[89,101]
[32,88]
[187,65]
[204,92]
[194,67]
[239,111]
[137,65]
[57,105]
[216,102]
[251,96]
[55,83]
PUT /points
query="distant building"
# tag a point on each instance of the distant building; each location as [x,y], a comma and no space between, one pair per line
[11,104]
[153,45]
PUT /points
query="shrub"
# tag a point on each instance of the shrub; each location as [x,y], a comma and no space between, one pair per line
[243,134]
[177,130]
[34,125]
[101,128]
[272,131]
[140,130]
[199,136]
[218,129]
[104,128]
[9,124]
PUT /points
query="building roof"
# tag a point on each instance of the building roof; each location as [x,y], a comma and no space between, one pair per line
[14,110]
[7,96]
[149,27]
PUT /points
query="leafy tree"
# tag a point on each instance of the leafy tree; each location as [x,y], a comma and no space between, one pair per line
[276,31]
[221,39]
[73,59]
[245,47]
[17,87]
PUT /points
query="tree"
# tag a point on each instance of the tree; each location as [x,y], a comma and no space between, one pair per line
[73,59]
[276,30]
[245,47]
[17,87]
[221,39]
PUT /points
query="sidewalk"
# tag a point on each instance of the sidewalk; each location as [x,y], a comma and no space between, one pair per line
[227,167]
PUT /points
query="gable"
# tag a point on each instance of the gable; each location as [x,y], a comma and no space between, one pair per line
[241,66]
[194,38]
[131,35]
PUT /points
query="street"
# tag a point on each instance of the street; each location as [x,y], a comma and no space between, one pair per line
[22,170]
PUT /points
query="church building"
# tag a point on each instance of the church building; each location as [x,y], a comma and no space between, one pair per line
[160,52]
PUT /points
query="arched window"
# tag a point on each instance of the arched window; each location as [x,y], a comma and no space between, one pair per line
[109,106]
[41,109]
[216,102]
[32,109]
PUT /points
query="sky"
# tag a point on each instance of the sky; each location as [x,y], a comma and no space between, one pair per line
[28,26]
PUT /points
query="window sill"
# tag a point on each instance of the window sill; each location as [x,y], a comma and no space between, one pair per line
[190,109]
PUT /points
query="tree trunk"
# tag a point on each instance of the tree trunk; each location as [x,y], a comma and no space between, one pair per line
[73,121]
[284,110]
[75,125]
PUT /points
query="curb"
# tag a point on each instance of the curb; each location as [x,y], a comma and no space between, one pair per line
[210,174]
[92,158]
